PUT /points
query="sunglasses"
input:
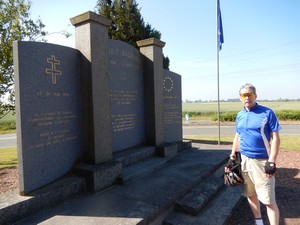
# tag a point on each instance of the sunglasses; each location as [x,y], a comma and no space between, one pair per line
[245,95]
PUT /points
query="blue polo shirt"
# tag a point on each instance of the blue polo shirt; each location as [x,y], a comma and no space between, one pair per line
[254,128]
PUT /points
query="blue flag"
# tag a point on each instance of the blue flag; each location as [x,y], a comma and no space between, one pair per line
[220,27]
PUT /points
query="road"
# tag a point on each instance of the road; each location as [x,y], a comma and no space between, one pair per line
[9,140]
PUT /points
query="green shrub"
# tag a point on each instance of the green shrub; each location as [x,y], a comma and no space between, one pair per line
[7,125]
[198,114]
[8,122]
[288,115]
[283,115]
[226,116]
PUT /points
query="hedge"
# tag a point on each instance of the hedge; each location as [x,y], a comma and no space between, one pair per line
[284,115]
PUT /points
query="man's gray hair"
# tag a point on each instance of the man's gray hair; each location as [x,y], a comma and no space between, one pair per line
[250,86]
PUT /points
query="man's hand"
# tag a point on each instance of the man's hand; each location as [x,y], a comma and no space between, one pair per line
[230,163]
[270,168]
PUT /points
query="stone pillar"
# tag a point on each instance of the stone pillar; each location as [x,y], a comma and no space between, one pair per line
[91,33]
[153,85]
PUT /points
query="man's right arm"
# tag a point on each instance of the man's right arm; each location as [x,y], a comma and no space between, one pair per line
[235,146]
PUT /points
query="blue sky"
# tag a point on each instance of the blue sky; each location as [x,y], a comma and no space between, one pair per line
[262,42]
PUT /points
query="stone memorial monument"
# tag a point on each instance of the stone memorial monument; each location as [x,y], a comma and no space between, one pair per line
[82,108]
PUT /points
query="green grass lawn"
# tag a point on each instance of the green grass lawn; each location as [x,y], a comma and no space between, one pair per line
[8,157]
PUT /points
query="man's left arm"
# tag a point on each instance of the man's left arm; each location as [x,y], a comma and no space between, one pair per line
[270,166]
[274,146]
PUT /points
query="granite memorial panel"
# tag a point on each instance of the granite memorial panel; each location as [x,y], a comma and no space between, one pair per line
[127,95]
[47,79]
[172,107]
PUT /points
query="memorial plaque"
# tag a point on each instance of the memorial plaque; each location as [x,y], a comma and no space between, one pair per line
[172,106]
[127,95]
[48,112]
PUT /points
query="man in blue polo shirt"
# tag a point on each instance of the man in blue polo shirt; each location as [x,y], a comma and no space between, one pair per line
[256,126]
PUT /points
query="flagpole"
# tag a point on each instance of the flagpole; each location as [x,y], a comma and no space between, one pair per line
[218,81]
[218,70]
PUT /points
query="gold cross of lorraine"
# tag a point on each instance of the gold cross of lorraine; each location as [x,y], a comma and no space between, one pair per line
[53,71]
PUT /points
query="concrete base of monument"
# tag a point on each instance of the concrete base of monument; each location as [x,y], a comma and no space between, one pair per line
[99,177]
[128,165]
[13,206]
[169,194]
[165,196]
[171,149]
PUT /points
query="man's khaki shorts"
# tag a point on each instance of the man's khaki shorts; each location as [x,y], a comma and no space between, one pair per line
[257,182]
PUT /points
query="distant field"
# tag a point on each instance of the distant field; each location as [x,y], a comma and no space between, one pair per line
[236,106]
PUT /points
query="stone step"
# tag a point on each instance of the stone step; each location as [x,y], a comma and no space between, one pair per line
[140,169]
[149,200]
[133,155]
[200,196]
[14,207]
[218,211]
